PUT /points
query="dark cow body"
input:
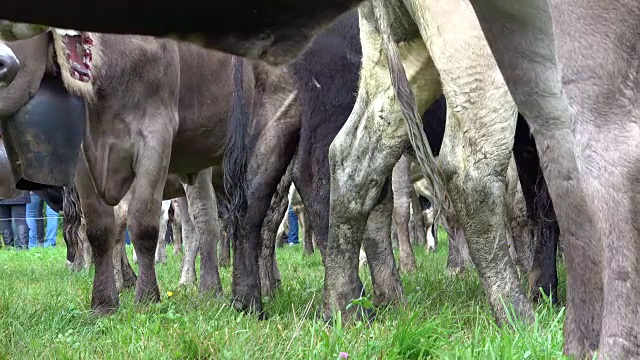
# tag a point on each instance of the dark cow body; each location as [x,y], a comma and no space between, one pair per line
[274,31]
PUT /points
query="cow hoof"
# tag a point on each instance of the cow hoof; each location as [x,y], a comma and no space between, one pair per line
[249,306]
[104,307]
[146,294]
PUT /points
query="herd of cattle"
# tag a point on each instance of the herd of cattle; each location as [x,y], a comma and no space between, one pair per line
[329,97]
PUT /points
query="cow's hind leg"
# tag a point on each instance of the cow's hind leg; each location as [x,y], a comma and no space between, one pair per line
[100,223]
[269,274]
[481,120]
[401,183]
[362,157]
[204,212]
[161,249]
[191,244]
[177,229]
[387,287]
[144,209]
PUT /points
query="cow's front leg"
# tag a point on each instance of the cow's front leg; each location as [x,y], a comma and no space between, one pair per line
[99,228]
[144,210]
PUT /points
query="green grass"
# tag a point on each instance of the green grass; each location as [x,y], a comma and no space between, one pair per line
[44,314]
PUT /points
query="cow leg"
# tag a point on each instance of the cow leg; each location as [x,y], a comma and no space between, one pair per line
[278,119]
[99,220]
[203,209]
[191,244]
[120,214]
[363,154]
[401,183]
[458,258]
[527,33]
[545,231]
[387,287]
[600,79]
[225,251]
[161,249]
[518,222]
[269,273]
[419,228]
[177,229]
[480,127]
[144,212]
[543,277]
[304,229]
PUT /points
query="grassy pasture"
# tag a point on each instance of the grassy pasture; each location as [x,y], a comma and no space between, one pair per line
[44,314]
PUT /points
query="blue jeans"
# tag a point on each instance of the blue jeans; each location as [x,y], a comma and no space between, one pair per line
[127,241]
[36,224]
[293,227]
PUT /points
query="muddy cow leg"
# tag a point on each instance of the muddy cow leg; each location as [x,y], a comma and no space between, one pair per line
[177,229]
[191,244]
[526,34]
[161,249]
[269,274]
[120,214]
[387,287]
[458,259]
[203,209]
[401,183]
[363,154]
[518,223]
[478,141]
[99,225]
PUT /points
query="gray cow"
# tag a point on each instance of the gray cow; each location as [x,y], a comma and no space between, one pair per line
[132,142]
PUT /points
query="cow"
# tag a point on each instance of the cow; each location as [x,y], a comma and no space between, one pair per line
[516,33]
[131,143]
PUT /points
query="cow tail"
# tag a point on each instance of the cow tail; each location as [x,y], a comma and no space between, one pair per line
[407,101]
[236,154]
[71,220]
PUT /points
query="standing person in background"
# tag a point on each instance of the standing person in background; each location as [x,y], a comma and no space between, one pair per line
[293,227]
[14,210]
[36,223]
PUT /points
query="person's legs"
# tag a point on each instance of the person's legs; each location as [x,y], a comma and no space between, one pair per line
[19,214]
[5,225]
[52,227]
[34,214]
[293,227]
[126,236]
